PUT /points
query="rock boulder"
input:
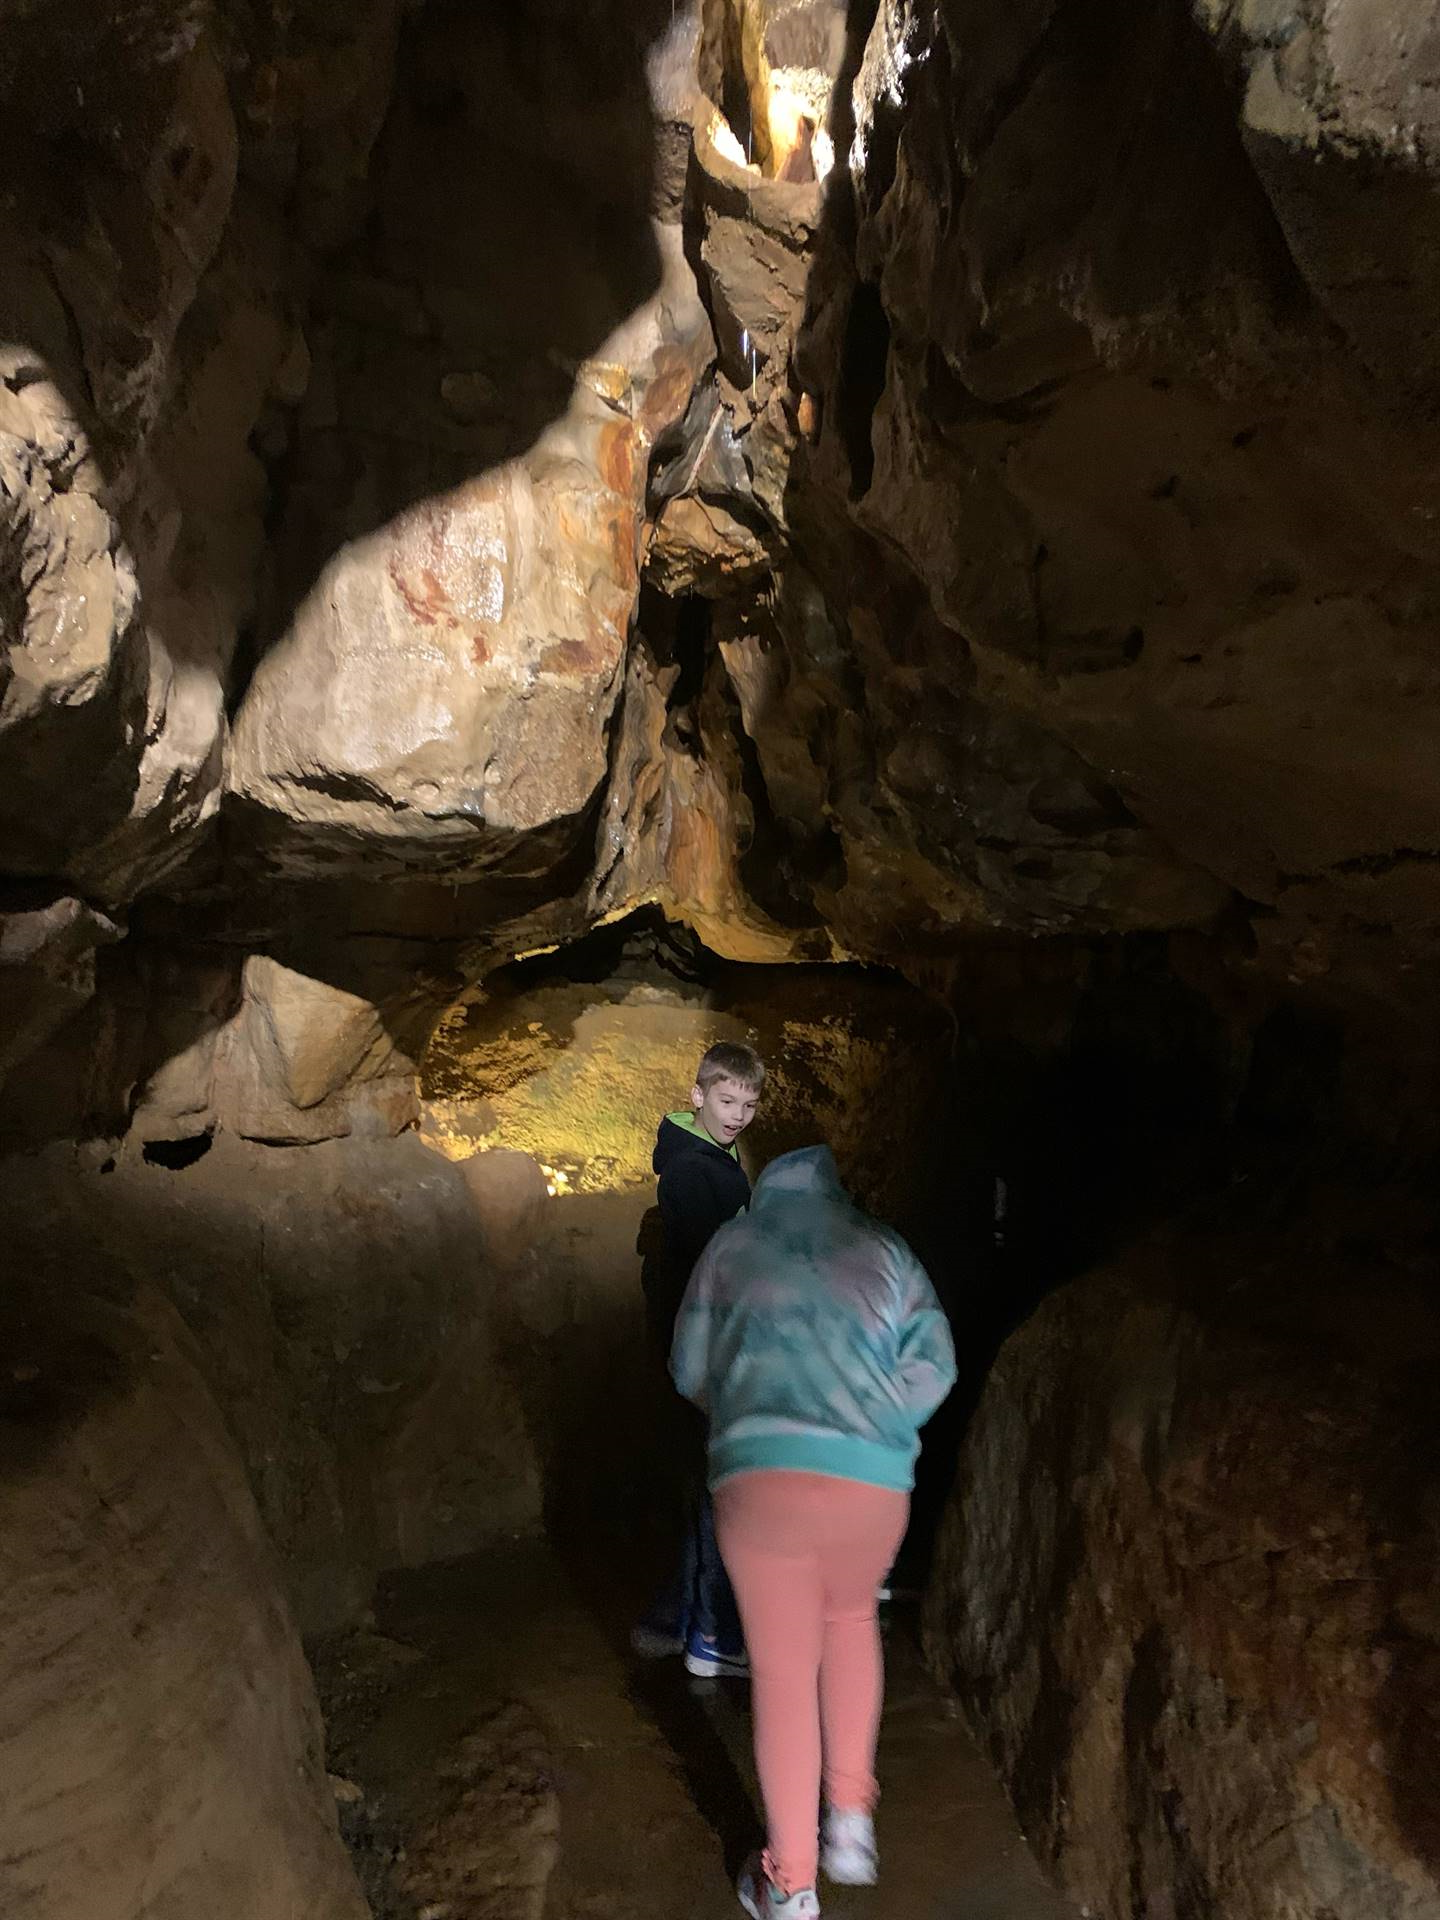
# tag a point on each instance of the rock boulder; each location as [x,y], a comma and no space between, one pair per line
[1185,1586]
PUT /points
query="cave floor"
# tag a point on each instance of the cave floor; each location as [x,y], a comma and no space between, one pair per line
[495,1709]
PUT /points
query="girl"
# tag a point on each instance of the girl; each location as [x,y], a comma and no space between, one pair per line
[811,1338]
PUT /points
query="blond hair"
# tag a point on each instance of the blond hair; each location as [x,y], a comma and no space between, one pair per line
[730,1061]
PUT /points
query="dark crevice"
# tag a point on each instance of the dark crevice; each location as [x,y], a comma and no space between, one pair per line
[779,867]
[864,361]
[177,1154]
[691,641]
[336,785]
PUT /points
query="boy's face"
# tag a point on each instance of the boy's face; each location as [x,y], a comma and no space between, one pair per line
[725,1109]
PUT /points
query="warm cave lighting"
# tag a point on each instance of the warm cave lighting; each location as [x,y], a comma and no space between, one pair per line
[723,139]
[557,1181]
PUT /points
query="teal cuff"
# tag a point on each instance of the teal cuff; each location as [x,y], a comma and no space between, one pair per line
[835,1454]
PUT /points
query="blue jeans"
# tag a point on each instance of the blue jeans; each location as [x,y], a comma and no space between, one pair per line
[699,1596]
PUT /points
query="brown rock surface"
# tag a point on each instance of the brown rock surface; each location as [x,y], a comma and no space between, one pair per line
[578,1074]
[493,358]
[116,641]
[583,497]
[1102,572]
[1098,411]
[160,1745]
[345,1314]
[678,820]
[304,1060]
[1185,1588]
[700,548]
[491,1847]
[48,959]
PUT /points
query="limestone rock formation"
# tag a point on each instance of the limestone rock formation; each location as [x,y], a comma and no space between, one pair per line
[447,685]
[494,357]
[1022,528]
[118,625]
[159,1739]
[677,824]
[302,1059]
[1185,1587]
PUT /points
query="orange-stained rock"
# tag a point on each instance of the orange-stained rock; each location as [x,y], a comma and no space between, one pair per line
[702,548]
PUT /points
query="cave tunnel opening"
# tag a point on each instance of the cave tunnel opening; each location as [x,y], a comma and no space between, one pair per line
[1008,1156]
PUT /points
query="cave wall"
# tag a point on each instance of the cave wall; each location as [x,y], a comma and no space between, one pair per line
[343,1303]
[496,502]
[547,1059]
[1184,1587]
[160,1742]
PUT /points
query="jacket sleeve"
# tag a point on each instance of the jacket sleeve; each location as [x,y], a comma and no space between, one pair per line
[926,1350]
[690,1349]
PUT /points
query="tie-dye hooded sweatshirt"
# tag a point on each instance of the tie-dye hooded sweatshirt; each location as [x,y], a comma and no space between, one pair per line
[811,1335]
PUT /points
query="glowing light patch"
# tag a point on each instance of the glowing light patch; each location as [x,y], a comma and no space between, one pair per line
[722,138]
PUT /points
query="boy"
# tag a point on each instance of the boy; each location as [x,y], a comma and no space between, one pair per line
[701,1185]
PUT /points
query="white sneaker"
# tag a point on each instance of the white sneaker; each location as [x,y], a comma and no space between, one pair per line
[848,1851]
[763,1901]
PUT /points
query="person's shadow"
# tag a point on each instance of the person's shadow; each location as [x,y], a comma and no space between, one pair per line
[620,1456]
[706,1725]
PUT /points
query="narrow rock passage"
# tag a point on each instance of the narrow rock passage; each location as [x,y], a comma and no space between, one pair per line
[653,1795]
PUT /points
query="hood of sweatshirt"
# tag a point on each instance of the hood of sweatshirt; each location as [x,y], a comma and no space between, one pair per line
[682,1133]
[808,1172]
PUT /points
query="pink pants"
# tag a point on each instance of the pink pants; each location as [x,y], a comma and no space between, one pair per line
[805,1554]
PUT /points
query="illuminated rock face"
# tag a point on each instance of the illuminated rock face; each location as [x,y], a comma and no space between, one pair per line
[578,1075]
[1045,566]
[446,688]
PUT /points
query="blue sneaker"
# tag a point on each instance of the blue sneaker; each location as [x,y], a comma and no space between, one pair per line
[712,1660]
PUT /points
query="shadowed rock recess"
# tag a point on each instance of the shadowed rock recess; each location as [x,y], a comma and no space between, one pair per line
[534,538]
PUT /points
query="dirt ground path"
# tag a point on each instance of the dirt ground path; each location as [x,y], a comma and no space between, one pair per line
[510,1760]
